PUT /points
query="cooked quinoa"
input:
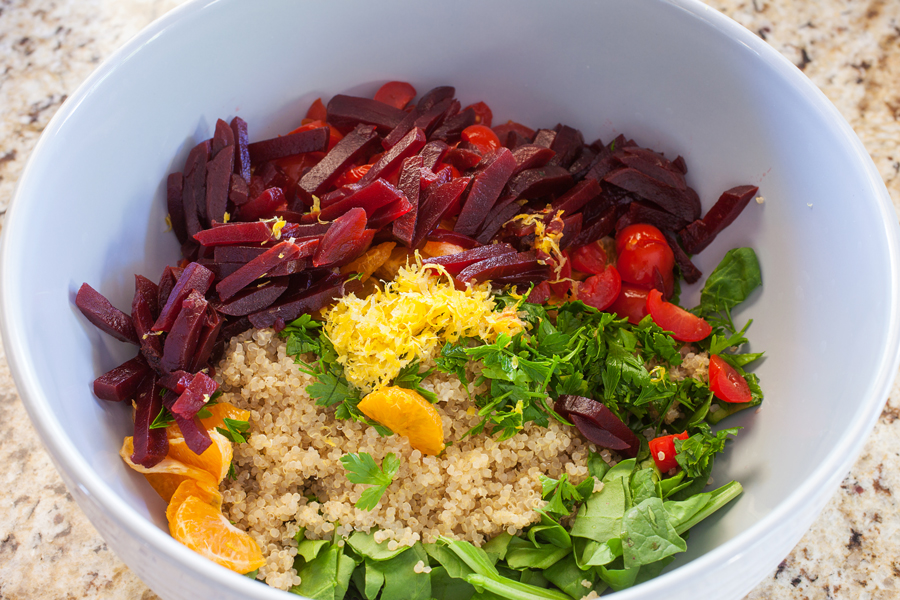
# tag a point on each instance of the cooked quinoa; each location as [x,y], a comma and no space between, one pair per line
[289,475]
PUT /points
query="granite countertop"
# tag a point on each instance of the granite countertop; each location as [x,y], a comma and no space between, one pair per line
[48,549]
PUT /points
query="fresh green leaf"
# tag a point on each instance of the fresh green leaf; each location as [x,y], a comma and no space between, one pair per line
[685,514]
[648,534]
[401,582]
[445,587]
[732,281]
[523,554]
[234,430]
[695,454]
[163,419]
[410,378]
[361,468]
[365,545]
[327,576]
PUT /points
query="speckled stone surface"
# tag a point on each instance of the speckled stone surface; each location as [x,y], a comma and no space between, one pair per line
[48,549]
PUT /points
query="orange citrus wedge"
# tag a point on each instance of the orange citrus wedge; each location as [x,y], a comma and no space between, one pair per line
[220,411]
[168,474]
[197,489]
[371,261]
[215,460]
[204,529]
[406,413]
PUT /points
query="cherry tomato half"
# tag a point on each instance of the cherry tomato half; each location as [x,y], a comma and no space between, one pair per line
[481,137]
[352,175]
[631,303]
[638,264]
[483,114]
[637,235]
[662,449]
[601,290]
[726,383]
[317,111]
[590,258]
[684,326]
[395,93]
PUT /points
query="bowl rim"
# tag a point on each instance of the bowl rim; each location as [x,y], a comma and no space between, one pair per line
[69,460]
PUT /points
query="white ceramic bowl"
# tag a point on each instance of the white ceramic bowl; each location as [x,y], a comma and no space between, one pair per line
[676,76]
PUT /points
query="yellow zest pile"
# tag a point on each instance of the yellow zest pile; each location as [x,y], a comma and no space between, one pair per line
[411,318]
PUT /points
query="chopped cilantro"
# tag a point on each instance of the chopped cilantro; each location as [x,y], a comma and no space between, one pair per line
[361,468]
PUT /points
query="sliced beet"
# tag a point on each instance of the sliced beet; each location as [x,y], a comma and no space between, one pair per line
[218,180]
[592,231]
[503,265]
[599,424]
[454,263]
[462,158]
[339,194]
[237,254]
[540,293]
[485,189]
[433,152]
[195,435]
[144,310]
[167,281]
[653,169]
[537,274]
[122,382]
[235,234]
[181,342]
[194,277]
[256,268]
[390,213]
[263,206]
[239,190]
[175,205]
[391,160]
[583,163]
[571,229]
[370,197]
[292,267]
[340,239]
[451,237]
[177,381]
[434,96]
[505,129]
[437,202]
[496,220]
[689,270]
[544,137]
[452,127]
[542,181]
[678,202]
[402,128]
[432,118]
[241,153]
[346,112]
[206,340]
[320,178]
[404,228]
[104,315]
[304,232]
[698,235]
[150,445]
[254,298]
[567,144]
[306,302]
[576,198]
[311,140]
[531,156]
[197,394]
[222,138]
[194,193]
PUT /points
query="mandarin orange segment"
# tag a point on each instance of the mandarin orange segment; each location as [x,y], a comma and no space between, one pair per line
[204,529]
[219,412]
[168,474]
[433,249]
[371,261]
[197,489]
[406,413]
[215,460]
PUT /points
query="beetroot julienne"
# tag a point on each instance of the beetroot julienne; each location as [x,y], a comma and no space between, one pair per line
[266,226]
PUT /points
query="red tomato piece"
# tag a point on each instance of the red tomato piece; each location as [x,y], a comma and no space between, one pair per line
[454,172]
[631,303]
[637,264]
[601,290]
[483,114]
[396,94]
[540,293]
[317,111]
[481,137]
[662,449]
[637,235]
[684,326]
[726,383]
[352,175]
[590,258]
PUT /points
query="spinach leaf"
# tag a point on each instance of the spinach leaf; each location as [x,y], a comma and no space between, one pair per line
[568,576]
[365,545]
[401,582]
[327,576]
[445,587]
[648,534]
[523,554]
[731,282]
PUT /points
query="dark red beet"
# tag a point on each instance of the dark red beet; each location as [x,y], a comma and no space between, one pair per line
[122,382]
[304,232]
[530,156]
[596,229]
[451,237]
[339,194]
[311,140]
[599,424]
[237,254]
[346,112]
[540,293]
[644,212]
[306,302]
[495,221]
[575,199]
[256,268]
[235,234]
[222,138]
[537,274]
[668,177]
[320,178]
[207,340]
[197,394]
[505,129]
[143,315]
[462,158]
[567,144]
[195,187]
[689,270]
[150,445]
[486,188]
[433,152]
[254,298]
[241,154]
[453,126]
[504,265]
[292,267]
[699,234]
[371,197]
[399,132]
[544,137]
[175,205]
[177,381]
[678,202]
[263,206]
[104,315]
[583,163]
[195,436]
[181,342]
[437,202]
[434,116]
[218,180]
[571,229]
[434,96]
[194,277]
[404,228]
[535,183]
[390,213]
[391,160]
[339,241]
[239,191]
[454,263]
[167,281]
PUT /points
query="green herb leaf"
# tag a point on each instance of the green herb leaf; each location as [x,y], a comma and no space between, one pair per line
[649,536]
[361,468]
[731,282]
[234,430]
[695,454]
[410,378]
[163,419]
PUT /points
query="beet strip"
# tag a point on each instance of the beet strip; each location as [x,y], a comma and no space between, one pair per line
[389,213]
[195,187]
[319,178]
[496,221]
[197,394]
[206,341]
[485,189]
[391,160]
[306,302]
[177,381]
[603,225]
[534,183]
[346,112]
[104,315]
[404,227]
[678,202]
[577,197]
[503,265]
[453,126]
[370,198]
[194,277]
[235,234]
[120,383]
[567,144]
[437,202]
[454,263]
[429,120]
[255,298]
[434,96]
[340,239]
[167,281]
[256,268]
[143,315]
[241,154]
[175,205]
[150,445]
[195,435]
[571,229]
[698,235]
[311,140]
[530,156]
[218,180]
[432,153]
[450,237]
[689,270]
[182,339]
[222,137]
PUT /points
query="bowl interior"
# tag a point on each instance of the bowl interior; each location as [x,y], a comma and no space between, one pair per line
[666,74]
